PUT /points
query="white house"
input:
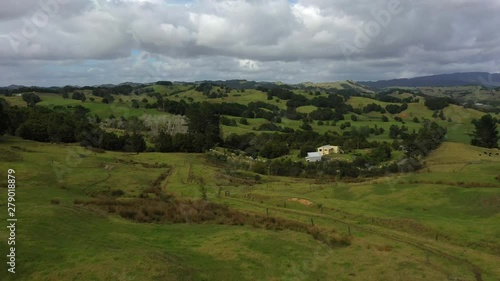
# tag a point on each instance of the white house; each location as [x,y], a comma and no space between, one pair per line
[328,149]
[313,157]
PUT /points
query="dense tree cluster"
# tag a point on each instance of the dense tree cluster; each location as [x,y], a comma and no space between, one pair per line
[252,144]
[428,138]
[78,96]
[121,90]
[45,125]
[204,88]
[395,109]
[373,107]
[21,90]
[228,121]
[208,89]
[105,93]
[485,133]
[437,103]
[164,83]
[73,124]
[282,93]
[375,163]
[334,168]
[203,131]
[111,141]
[388,96]
[395,131]
[326,114]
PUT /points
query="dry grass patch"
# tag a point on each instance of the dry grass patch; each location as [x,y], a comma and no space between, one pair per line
[199,212]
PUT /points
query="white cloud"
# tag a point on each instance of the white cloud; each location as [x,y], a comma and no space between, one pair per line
[248,65]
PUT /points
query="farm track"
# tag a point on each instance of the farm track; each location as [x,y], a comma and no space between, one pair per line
[476,270]
[78,211]
[98,182]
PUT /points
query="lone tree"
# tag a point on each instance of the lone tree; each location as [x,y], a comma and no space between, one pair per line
[486,134]
[31,99]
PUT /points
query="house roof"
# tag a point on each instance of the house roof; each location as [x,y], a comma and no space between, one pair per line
[314,154]
[327,146]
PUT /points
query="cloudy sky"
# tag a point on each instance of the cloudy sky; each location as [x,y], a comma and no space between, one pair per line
[89,42]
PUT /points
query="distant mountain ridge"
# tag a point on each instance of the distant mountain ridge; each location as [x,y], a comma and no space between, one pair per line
[441,80]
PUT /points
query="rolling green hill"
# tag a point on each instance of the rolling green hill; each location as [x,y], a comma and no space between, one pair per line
[89,214]
[393,221]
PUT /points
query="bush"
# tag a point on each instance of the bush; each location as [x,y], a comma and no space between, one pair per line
[117,192]
[78,202]
[128,214]
[274,149]
[270,127]
[243,121]
[306,127]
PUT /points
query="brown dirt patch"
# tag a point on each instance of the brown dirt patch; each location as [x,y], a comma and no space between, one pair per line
[304,202]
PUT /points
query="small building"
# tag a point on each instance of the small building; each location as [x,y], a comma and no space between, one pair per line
[313,157]
[329,149]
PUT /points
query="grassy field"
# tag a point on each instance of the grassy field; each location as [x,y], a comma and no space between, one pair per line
[465,93]
[96,107]
[393,221]
[67,242]
[458,129]
[440,223]
[337,85]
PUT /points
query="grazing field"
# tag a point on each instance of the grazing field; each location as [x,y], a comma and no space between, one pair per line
[464,93]
[96,107]
[90,214]
[457,119]
[440,223]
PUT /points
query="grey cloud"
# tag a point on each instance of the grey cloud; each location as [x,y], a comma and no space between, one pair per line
[265,40]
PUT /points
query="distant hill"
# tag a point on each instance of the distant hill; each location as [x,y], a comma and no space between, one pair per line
[133,84]
[441,80]
[241,84]
[13,87]
[348,84]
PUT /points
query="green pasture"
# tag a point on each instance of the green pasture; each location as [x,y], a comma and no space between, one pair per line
[65,241]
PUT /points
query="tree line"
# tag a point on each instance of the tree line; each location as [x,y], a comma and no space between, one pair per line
[373,164]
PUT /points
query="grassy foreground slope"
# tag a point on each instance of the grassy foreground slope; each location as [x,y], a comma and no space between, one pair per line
[393,221]
[67,242]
